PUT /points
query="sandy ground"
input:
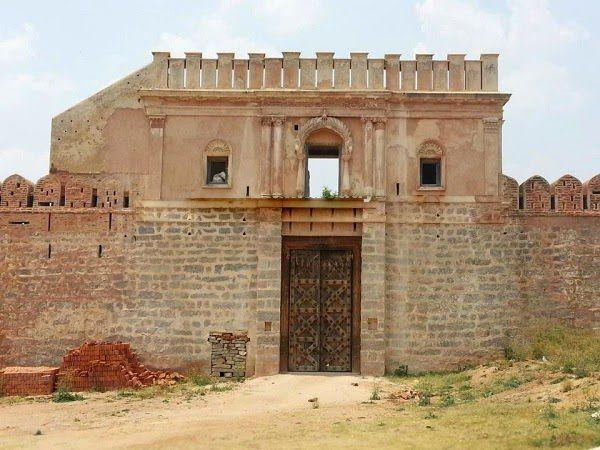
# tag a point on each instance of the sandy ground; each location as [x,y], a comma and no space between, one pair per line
[232,419]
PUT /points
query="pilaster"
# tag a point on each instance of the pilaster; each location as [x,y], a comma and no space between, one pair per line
[380,170]
[268,295]
[277,172]
[492,149]
[368,163]
[345,189]
[372,335]
[266,156]
[155,166]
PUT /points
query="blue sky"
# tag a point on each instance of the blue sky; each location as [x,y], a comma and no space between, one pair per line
[53,56]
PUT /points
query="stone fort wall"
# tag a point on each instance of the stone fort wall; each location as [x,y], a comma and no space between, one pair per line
[457,277]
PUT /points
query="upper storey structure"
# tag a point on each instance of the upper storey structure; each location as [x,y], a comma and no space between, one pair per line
[454,74]
[196,128]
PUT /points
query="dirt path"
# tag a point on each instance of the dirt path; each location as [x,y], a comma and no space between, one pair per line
[233,419]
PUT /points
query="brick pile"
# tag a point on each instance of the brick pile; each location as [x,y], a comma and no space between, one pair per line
[27,380]
[106,366]
[228,354]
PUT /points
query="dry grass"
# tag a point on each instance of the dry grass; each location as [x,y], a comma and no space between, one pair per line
[546,395]
[571,350]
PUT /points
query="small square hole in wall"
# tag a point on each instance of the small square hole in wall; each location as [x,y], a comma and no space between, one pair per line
[372,323]
[268,326]
[217,170]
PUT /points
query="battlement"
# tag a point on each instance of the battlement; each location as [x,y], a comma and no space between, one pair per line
[565,196]
[63,203]
[453,74]
[66,190]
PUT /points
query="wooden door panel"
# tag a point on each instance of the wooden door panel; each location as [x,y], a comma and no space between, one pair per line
[336,311]
[304,311]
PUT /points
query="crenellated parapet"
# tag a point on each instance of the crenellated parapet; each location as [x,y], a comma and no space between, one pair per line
[16,192]
[565,196]
[63,190]
[359,72]
[535,194]
[48,191]
[509,192]
[591,192]
[568,194]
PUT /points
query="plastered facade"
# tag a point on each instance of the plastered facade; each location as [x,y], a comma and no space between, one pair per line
[126,239]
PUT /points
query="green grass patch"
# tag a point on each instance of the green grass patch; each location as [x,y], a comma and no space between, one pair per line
[511,383]
[436,383]
[221,387]
[63,396]
[571,350]
[200,380]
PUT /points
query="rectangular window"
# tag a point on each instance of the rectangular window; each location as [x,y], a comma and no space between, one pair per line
[431,172]
[217,170]
[323,171]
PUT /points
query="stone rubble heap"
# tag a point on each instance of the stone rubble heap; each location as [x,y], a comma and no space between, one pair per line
[106,366]
[27,380]
[228,355]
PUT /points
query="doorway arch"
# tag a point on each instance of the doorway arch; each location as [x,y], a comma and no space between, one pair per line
[300,149]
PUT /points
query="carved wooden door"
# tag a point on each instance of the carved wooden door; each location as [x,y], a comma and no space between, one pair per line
[320,311]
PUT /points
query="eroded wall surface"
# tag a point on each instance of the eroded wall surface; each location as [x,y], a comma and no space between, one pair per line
[461,278]
[162,282]
[194,271]
[446,283]
[62,286]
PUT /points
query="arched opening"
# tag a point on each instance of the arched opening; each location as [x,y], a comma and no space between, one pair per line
[323,150]
[326,132]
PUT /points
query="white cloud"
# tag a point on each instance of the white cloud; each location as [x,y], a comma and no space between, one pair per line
[289,16]
[212,34]
[26,105]
[18,48]
[220,30]
[20,88]
[28,163]
[528,37]
[463,25]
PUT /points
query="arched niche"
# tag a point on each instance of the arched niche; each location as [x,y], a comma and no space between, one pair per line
[217,164]
[323,129]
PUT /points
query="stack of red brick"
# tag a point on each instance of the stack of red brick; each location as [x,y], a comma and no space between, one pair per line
[27,380]
[104,365]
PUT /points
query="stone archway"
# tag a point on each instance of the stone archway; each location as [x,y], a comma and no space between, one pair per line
[337,126]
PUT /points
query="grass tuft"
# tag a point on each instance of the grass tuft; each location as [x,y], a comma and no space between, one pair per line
[200,380]
[375,394]
[63,396]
